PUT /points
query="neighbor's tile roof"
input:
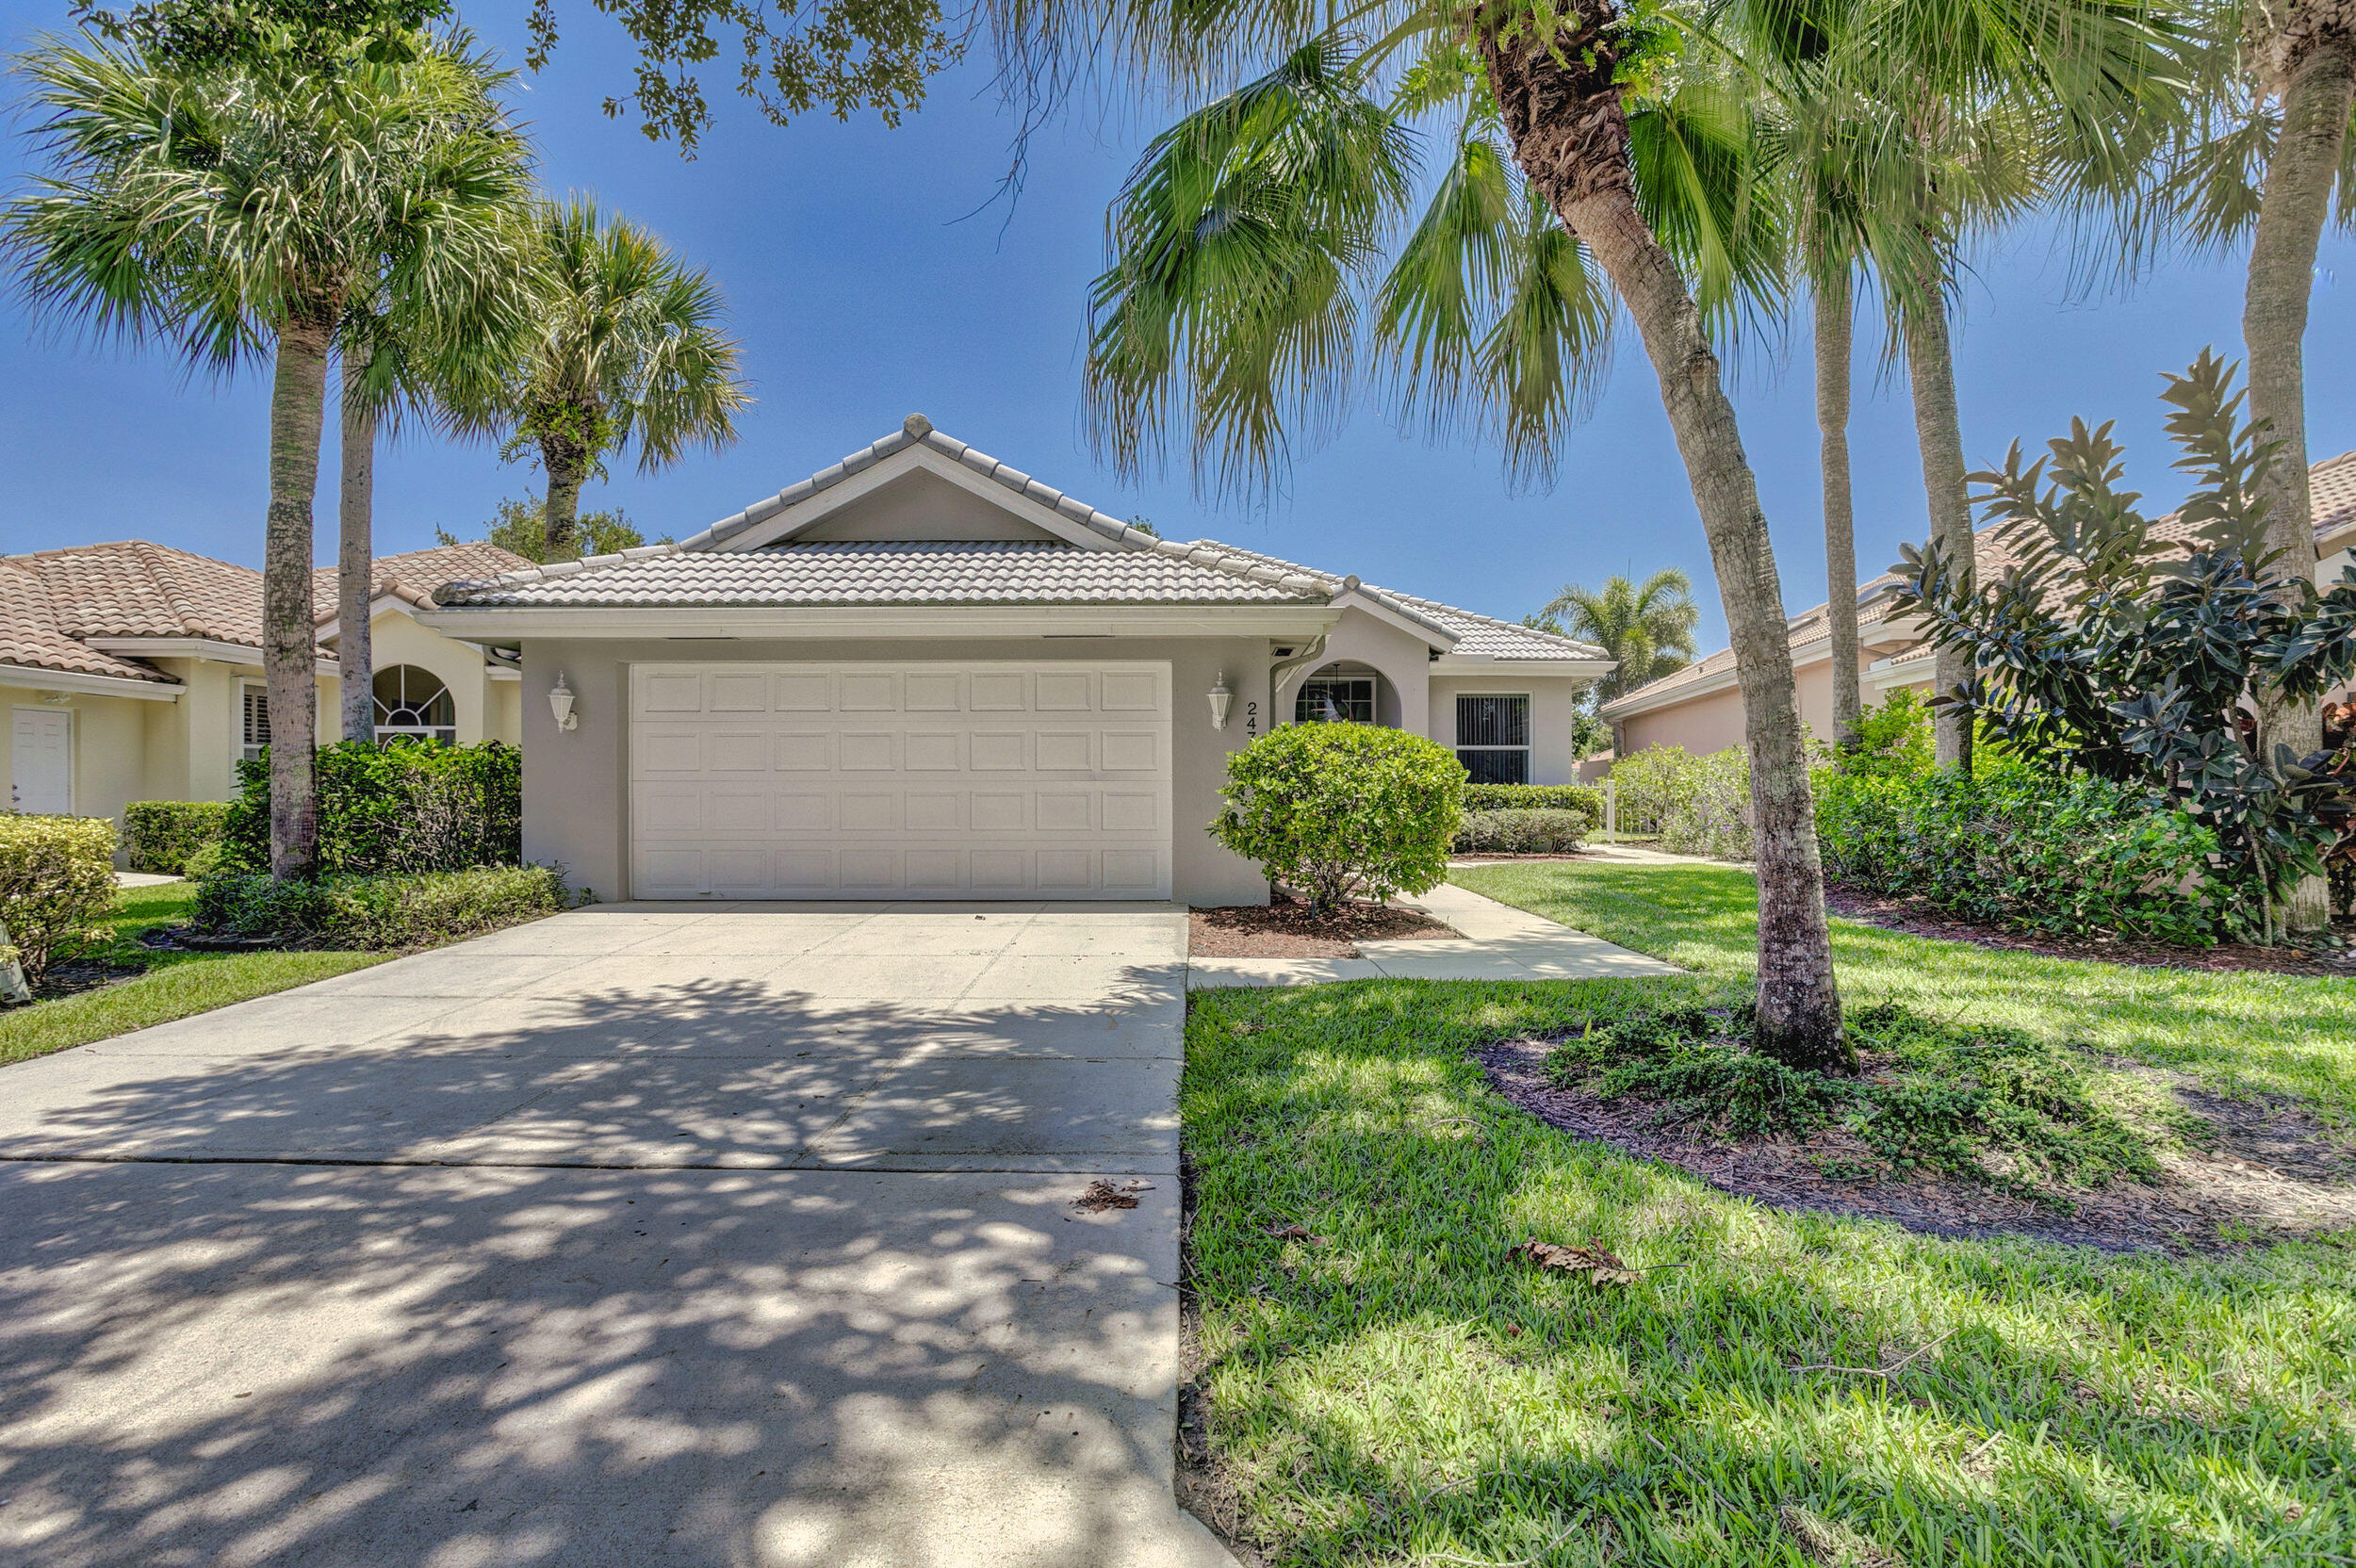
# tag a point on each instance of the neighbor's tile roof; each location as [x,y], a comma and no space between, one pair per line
[2331,486]
[1147,570]
[52,601]
[974,572]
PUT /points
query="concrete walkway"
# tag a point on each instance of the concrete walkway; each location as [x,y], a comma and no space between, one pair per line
[643,1235]
[1502,944]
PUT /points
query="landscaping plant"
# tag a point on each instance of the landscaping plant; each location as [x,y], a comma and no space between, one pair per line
[1522,832]
[407,806]
[379,911]
[1342,810]
[1584,798]
[57,883]
[160,836]
[2152,657]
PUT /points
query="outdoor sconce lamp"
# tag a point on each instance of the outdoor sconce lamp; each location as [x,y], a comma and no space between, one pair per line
[1220,697]
[561,704]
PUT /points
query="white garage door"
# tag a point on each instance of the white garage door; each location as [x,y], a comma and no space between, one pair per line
[862,780]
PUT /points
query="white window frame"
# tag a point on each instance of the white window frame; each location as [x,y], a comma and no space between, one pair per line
[445,733]
[1528,727]
[248,750]
[1374,695]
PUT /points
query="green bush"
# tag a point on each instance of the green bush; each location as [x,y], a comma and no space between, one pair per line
[1695,805]
[2019,847]
[1893,740]
[381,911]
[1522,832]
[407,806]
[1333,810]
[57,883]
[160,834]
[1535,797]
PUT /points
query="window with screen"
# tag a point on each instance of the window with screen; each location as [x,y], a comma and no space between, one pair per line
[254,721]
[1493,737]
[1335,700]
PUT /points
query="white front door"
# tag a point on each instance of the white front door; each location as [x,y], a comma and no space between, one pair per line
[921,780]
[42,760]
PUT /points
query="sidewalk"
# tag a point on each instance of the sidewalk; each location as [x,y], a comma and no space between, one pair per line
[1503,943]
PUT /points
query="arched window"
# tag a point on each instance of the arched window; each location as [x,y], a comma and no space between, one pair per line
[414,702]
[1335,698]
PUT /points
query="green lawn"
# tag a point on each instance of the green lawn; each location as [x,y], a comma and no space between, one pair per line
[175,985]
[1403,1393]
[2278,1033]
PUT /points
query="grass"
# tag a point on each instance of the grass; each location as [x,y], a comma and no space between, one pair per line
[174,985]
[2238,1032]
[1399,1391]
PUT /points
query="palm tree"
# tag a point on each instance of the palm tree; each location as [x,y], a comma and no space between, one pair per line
[1242,242]
[244,210]
[2265,153]
[625,347]
[1646,628]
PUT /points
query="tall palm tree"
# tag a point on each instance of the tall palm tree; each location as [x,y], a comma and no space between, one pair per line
[2268,155]
[242,210]
[1244,239]
[625,347]
[1647,627]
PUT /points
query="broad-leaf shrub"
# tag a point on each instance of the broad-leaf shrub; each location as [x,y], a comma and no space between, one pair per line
[1695,805]
[57,883]
[160,834]
[2019,846]
[407,806]
[1535,797]
[1893,740]
[1334,810]
[376,911]
[1537,832]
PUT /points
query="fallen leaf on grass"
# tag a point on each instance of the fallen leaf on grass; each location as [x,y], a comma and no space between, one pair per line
[1295,1233]
[1102,1195]
[1596,1263]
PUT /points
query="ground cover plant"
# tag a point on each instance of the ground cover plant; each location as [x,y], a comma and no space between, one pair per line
[1380,1375]
[2240,1033]
[143,985]
[383,911]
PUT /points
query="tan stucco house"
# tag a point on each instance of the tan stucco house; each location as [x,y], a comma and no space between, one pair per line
[923,673]
[1700,708]
[132,671]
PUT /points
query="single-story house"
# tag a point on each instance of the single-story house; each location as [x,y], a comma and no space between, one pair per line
[1700,708]
[134,672]
[923,673]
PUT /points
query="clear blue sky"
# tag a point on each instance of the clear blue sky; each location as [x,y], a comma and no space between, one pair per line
[859,296]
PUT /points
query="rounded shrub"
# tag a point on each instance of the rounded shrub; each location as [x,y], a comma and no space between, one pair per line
[1334,810]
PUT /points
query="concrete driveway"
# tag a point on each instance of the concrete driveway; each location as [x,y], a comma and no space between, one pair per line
[643,1235]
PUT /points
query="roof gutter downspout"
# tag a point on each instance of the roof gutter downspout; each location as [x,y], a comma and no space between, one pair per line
[1283,668]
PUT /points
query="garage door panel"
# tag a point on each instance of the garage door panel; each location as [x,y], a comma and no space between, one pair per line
[904,780]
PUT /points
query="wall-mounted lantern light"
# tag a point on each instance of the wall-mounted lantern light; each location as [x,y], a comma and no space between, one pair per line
[561,704]
[1220,697]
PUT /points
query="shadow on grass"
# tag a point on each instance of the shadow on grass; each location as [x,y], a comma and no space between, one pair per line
[1402,1390]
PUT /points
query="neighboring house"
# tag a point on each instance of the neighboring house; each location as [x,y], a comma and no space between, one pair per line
[1700,708]
[923,674]
[134,672]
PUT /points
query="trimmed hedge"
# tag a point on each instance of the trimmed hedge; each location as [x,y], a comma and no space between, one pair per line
[410,807]
[1539,832]
[57,883]
[160,834]
[2016,846]
[377,911]
[1535,797]
[1334,810]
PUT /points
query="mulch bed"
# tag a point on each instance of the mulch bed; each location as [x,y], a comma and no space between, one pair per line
[1289,931]
[2273,1171]
[1918,919]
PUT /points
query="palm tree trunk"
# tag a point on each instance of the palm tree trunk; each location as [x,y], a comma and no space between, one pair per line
[355,559]
[567,466]
[298,409]
[1569,129]
[1832,424]
[2316,93]
[1939,433]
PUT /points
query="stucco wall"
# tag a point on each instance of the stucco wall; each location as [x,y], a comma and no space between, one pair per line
[110,753]
[576,784]
[1553,711]
[1403,661]
[1711,722]
[396,638]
